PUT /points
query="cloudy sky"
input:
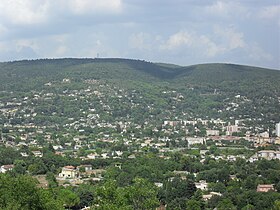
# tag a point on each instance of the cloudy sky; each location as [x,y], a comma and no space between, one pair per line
[183,32]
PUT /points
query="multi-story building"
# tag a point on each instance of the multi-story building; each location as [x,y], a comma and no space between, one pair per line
[212,132]
[269,154]
[278,129]
[232,129]
[69,172]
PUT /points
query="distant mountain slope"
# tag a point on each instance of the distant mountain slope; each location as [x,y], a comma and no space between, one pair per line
[41,71]
[229,72]
[159,70]
[141,90]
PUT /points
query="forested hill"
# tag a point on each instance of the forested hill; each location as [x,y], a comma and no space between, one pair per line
[161,91]
[134,70]
[131,133]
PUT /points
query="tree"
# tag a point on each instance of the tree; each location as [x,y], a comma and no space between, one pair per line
[248,207]
[37,168]
[276,205]
[68,197]
[21,193]
[109,196]
[217,187]
[142,195]
[176,192]
[86,195]
[193,205]
[52,183]
[20,167]
[226,204]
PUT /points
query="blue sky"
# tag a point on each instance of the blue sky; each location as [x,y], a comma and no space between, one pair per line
[183,32]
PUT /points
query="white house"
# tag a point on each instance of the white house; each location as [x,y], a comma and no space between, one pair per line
[5,168]
[212,132]
[69,172]
[202,185]
[193,140]
[269,154]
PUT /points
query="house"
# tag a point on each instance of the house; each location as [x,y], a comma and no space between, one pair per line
[5,168]
[118,165]
[104,155]
[24,154]
[210,195]
[203,152]
[131,156]
[269,154]
[253,158]
[202,185]
[91,156]
[158,184]
[86,167]
[37,153]
[265,187]
[195,140]
[212,132]
[69,172]
[233,177]
[181,173]
[232,129]
[277,155]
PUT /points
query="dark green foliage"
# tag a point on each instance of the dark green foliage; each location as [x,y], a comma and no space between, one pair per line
[141,195]
[8,155]
[176,192]
[21,193]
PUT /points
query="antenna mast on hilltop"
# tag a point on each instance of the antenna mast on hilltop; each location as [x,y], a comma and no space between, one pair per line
[97,55]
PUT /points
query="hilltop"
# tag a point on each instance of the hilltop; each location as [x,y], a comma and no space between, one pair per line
[126,69]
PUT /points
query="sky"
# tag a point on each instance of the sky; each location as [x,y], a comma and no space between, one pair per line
[183,32]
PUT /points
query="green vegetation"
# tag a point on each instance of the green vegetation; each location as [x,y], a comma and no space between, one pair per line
[134,135]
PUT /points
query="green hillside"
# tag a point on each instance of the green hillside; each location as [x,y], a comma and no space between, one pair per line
[124,69]
[206,90]
[134,135]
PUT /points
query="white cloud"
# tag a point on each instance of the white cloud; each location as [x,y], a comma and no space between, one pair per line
[221,43]
[3,30]
[270,12]
[3,47]
[231,38]
[98,43]
[27,12]
[98,6]
[140,41]
[173,30]
[227,9]
[211,48]
[191,41]
[24,11]
[177,40]
[256,53]
[218,8]
[60,51]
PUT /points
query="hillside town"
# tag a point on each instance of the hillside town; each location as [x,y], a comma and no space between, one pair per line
[73,135]
[88,136]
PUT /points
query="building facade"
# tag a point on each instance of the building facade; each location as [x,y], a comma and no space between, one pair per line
[277,129]
[69,172]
